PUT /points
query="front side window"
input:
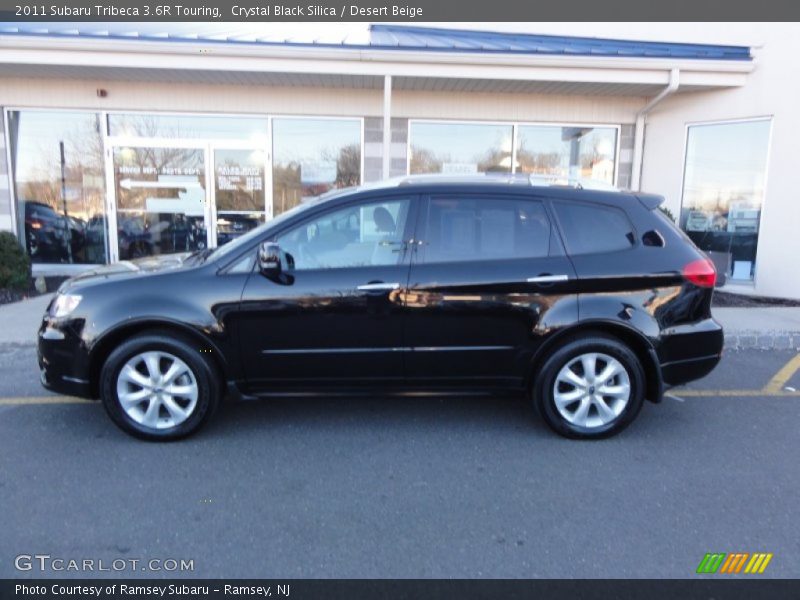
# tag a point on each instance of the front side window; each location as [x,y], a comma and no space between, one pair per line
[482,228]
[359,235]
[593,229]
[723,192]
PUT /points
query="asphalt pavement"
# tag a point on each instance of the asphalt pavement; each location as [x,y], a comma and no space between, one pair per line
[408,487]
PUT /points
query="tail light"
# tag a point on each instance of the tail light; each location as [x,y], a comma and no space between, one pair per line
[701,272]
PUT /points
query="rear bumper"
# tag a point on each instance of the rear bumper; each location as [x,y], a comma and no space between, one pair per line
[690,351]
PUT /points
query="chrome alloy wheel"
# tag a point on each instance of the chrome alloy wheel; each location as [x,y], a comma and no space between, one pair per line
[157,390]
[592,390]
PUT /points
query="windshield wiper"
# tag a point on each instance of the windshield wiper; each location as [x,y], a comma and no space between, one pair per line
[199,255]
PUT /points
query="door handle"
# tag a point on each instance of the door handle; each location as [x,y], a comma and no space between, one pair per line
[378,287]
[547,278]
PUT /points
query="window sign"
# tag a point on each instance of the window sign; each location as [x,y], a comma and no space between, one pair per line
[320,171]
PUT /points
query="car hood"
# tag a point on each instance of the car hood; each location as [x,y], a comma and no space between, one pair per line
[127,269]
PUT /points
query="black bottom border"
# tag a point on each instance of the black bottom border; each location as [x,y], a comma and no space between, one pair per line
[418,589]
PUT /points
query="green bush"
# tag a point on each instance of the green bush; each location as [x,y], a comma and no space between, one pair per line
[15,266]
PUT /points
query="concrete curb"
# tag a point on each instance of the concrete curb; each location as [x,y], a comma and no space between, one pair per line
[762,340]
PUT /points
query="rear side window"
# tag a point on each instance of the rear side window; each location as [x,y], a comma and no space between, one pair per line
[593,229]
[485,228]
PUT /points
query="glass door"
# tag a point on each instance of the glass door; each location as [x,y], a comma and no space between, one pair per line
[239,189]
[160,192]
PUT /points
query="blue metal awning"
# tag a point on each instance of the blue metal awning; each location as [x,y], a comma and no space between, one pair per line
[380,37]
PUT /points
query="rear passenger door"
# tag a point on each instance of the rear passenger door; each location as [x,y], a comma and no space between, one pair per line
[488,280]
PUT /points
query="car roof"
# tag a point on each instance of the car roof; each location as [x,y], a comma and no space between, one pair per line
[504,183]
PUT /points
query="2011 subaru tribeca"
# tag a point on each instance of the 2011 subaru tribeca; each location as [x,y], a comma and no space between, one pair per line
[591,301]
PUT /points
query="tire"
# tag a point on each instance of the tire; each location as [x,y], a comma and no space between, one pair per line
[169,409]
[592,414]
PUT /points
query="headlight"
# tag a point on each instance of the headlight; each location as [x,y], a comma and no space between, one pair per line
[64,305]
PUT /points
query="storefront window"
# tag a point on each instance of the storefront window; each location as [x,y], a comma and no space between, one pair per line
[58,177]
[239,191]
[161,200]
[723,192]
[212,127]
[460,148]
[568,152]
[313,156]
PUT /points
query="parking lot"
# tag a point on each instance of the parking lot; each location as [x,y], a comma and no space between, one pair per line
[409,487]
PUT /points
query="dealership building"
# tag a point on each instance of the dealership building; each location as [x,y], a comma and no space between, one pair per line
[125,140]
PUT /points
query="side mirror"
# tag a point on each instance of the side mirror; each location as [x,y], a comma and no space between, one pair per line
[269,259]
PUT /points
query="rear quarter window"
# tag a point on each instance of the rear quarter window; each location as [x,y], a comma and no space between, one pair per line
[590,229]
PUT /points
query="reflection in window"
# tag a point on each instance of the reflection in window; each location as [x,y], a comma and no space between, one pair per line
[160,200]
[460,148]
[356,236]
[188,127]
[313,156]
[567,152]
[723,191]
[477,229]
[59,221]
[239,192]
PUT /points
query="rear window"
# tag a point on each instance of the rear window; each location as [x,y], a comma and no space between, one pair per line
[592,229]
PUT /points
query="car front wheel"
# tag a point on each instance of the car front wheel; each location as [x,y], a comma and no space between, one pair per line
[592,387]
[159,387]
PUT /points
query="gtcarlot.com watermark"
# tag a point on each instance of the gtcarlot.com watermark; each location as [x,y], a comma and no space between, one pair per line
[45,563]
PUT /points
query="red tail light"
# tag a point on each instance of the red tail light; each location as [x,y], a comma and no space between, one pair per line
[701,272]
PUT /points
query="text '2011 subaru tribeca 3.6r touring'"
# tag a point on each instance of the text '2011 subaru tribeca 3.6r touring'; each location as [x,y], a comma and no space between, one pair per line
[590,301]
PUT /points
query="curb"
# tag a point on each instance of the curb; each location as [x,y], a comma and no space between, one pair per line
[759,340]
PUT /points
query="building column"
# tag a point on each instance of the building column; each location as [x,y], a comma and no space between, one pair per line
[387,127]
[6,220]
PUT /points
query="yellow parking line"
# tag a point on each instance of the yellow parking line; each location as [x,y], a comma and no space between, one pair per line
[781,377]
[732,393]
[30,400]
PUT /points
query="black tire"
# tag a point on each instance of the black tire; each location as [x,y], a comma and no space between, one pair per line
[205,375]
[543,388]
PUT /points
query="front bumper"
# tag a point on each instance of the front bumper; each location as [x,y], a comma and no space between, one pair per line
[63,358]
[690,351]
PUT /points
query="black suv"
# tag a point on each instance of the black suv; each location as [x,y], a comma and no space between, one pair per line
[591,301]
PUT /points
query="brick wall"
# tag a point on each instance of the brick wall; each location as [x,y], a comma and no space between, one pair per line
[625,156]
[373,148]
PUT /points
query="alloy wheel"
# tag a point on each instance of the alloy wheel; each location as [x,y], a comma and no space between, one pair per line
[157,390]
[592,390]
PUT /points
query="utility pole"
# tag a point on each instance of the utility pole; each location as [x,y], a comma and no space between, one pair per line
[67,230]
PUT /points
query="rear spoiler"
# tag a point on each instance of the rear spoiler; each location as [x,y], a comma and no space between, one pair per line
[650,201]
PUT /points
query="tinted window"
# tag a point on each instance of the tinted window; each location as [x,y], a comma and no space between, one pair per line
[471,229]
[592,229]
[358,235]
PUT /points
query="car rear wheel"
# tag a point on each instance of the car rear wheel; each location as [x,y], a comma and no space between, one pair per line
[159,387]
[592,387]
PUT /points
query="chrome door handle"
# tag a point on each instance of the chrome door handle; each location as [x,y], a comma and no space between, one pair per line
[547,278]
[377,287]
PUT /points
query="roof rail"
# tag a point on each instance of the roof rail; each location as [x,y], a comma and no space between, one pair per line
[579,183]
[532,179]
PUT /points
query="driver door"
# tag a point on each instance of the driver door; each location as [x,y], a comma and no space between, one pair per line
[336,317]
